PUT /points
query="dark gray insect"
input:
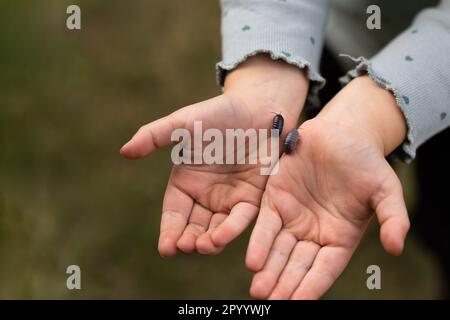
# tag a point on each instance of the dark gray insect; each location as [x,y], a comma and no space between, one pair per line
[277,124]
[291,141]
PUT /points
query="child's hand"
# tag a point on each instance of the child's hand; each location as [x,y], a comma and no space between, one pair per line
[315,210]
[207,206]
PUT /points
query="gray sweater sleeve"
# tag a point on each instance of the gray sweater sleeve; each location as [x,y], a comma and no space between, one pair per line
[291,30]
[416,68]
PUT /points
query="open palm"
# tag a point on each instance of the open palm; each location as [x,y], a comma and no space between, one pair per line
[316,209]
[206,206]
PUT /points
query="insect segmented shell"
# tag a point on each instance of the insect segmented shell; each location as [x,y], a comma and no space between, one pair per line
[277,124]
[291,141]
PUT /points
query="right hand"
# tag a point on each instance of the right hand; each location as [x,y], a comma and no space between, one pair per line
[207,206]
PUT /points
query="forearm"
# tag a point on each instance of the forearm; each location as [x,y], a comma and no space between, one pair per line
[415,67]
[371,111]
[275,84]
[284,85]
[291,31]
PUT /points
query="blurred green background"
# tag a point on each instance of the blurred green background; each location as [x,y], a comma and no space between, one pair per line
[68,101]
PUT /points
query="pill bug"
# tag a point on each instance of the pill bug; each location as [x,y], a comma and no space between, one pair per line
[277,124]
[291,141]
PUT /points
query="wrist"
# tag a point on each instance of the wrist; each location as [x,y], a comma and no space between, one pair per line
[371,110]
[272,82]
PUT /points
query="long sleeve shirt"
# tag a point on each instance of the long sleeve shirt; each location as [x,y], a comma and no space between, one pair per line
[414,65]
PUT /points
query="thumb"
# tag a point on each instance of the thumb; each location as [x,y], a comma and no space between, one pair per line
[156,134]
[393,217]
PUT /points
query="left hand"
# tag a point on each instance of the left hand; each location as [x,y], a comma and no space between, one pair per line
[316,208]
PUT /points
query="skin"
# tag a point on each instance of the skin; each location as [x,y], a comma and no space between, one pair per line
[207,206]
[314,211]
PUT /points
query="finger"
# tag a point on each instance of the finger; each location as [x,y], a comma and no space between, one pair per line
[241,215]
[267,227]
[326,268]
[204,243]
[177,207]
[265,280]
[300,261]
[154,135]
[393,218]
[198,223]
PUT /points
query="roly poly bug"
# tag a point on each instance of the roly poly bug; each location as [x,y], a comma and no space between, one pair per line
[277,124]
[291,141]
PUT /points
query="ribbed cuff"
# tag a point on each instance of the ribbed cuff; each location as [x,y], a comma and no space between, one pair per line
[291,31]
